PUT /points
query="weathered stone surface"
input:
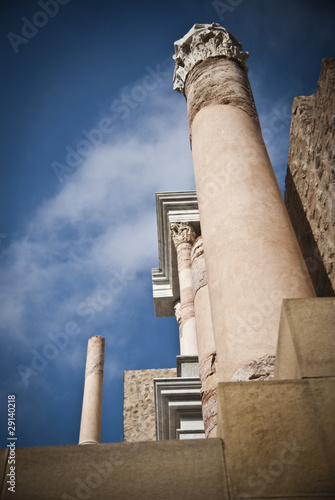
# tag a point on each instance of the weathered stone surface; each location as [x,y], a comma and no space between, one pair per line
[218,80]
[279,438]
[258,369]
[165,470]
[306,343]
[209,410]
[205,339]
[310,180]
[207,367]
[209,380]
[95,355]
[139,404]
[199,276]
[187,305]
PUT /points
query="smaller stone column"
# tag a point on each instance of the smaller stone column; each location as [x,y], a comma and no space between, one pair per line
[90,426]
[183,236]
[205,339]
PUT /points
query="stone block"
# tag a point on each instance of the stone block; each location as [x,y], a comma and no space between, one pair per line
[279,438]
[306,342]
[185,470]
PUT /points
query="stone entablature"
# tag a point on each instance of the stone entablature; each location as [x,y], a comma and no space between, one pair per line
[171,207]
[178,408]
[200,43]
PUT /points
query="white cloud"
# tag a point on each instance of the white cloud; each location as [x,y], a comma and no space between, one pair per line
[103,218]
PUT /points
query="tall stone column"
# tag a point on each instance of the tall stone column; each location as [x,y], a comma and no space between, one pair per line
[205,339]
[183,236]
[252,257]
[90,426]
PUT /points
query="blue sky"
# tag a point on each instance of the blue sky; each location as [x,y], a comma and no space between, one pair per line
[90,130]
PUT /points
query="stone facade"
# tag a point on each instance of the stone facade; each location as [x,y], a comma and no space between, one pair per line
[139,404]
[310,180]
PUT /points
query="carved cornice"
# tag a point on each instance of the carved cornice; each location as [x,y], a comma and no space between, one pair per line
[182,233]
[201,42]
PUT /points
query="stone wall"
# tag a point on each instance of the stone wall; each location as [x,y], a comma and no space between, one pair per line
[139,403]
[310,180]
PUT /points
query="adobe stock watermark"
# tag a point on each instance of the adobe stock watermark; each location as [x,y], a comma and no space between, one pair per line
[85,486]
[274,470]
[214,185]
[120,110]
[58,341]
[221,8]
[30,28]
[256,318]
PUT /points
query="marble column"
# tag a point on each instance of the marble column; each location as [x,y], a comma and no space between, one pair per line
[252,257]
[205,339]
[183,236]
[90,426]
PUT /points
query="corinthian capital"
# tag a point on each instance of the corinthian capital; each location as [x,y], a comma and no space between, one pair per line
[201,42]
[182,232]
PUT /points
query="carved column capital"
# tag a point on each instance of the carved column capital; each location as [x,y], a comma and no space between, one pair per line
[182,232]
[201,42]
